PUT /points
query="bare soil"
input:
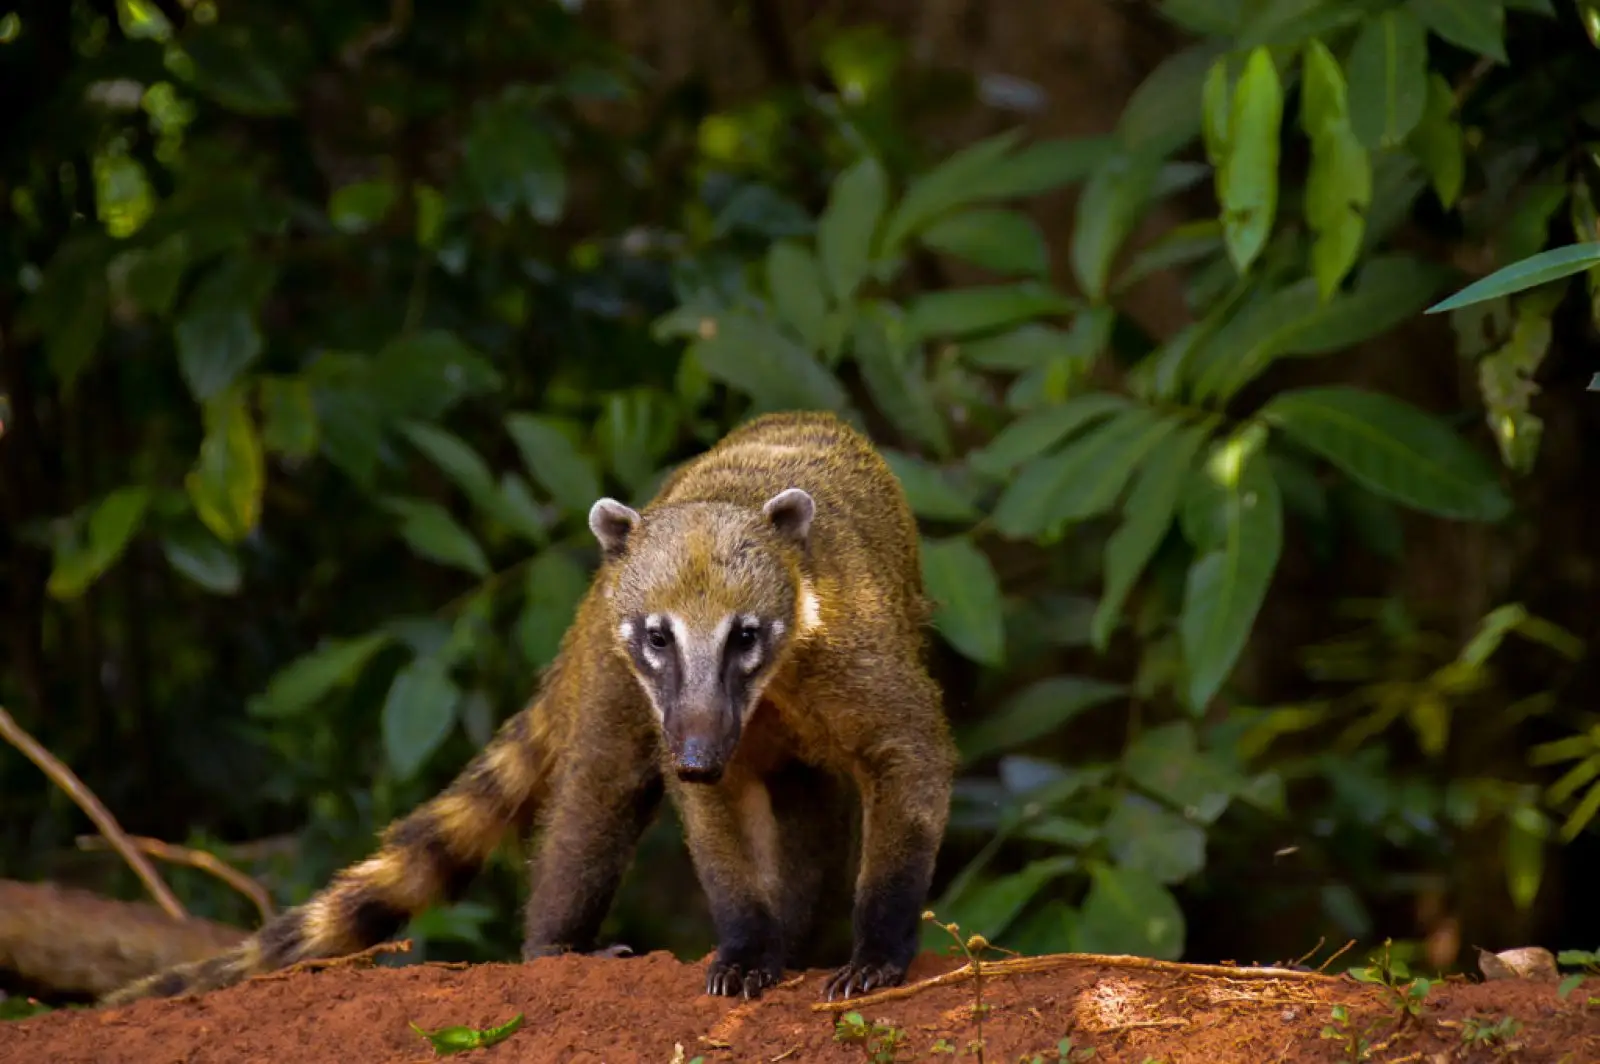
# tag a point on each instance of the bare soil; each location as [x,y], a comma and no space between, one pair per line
[639,1010]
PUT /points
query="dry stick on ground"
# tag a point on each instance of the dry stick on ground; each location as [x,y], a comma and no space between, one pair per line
[67,780]
[1025,965]
[206,862]
[347,960]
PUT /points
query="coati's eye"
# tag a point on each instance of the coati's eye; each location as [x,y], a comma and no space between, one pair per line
[745,636]
[658,638]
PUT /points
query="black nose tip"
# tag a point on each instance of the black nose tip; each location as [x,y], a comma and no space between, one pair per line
[699,762]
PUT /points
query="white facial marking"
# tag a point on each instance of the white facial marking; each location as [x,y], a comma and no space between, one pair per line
[810,609]
[625,630]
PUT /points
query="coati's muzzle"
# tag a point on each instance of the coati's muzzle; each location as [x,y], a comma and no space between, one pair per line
[701,737]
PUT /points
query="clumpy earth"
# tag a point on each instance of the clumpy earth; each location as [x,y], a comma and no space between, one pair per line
[651,1010]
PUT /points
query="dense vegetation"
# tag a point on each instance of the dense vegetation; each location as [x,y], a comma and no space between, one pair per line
[322,325]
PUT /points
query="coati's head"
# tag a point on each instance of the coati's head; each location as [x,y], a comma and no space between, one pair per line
[706,597]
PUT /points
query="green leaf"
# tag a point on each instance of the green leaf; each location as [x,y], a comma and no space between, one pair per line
[1476,25]
[449,1040]
[991,907]
[1107,210]
[966,594]
[215,343]
[1323,99]
[112,525]
[797,293]
[418,713]
[1166,762]
[1098,482]
[432,533]
[1129,912]
[1388,78]
[229,477]
[1227,585]
[288,416]
[155,274]
[1034,712]
[635,431]
[895,376]
[357,207]
[454,457]
[964,311]
[1160,117]
[554,461]
[928,490]
[228,65]
[1042,166]
[1290,23]
[998,240]
[848,224]
[1247,180]
[202,558]
[1338,191]
[1038,431]
[1438,143]
[955,182]
[1391,448]
[1146,837]
[556,584]
[423,374]
[1031,503]
[1025,347]
[307,679]
[754,358]
[1538,269]
[510,160]
[1147,515]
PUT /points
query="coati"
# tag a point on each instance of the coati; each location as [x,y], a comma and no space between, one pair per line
[751,644]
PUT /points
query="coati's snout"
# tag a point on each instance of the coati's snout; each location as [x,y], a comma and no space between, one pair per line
[701,748]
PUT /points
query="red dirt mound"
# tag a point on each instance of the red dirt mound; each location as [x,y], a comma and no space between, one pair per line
[589,1010]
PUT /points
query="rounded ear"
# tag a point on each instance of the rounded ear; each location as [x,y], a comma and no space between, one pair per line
[612,522]
[790,512]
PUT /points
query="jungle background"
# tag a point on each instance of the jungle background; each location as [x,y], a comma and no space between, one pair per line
[1265,599]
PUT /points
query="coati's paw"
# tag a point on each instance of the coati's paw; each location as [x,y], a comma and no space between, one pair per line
[861,977]
[730,979]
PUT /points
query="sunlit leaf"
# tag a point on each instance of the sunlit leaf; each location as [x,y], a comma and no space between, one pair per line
[229,477]
[1539,269]
[1438,142]
[1036,711]
[449,1040]
[418,713]
[848,224]
[430,531]
[1391,448]
[1388,77]
[113,522]
[962,584]
[1247,179]
[307,679]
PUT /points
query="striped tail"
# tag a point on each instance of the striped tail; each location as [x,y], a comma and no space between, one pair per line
[430,855]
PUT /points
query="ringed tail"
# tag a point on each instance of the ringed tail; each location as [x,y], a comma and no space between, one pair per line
[431,854]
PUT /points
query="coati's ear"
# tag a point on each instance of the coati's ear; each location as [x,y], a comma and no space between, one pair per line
[790,512]
[612,523]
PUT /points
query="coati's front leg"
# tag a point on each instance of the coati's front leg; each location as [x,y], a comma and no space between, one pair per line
[733,839]
[904,769]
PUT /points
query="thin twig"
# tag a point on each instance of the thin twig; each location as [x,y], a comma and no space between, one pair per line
[67,780]
[1341,951]
[206,862]
[1026,965]
[347,960]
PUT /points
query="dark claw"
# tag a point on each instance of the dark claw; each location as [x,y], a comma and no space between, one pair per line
[617,950]
[859,977]
[731,980]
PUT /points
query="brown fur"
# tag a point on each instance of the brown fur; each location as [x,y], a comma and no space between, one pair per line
[846,705]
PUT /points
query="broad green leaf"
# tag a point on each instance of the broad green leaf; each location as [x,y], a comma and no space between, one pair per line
[1526,833]
[203,559]
[1182,245]
[1034,712]
[156,273]
[357,207]
[554,461]
[1097,485]
[228,479]
[1391,448]
[1539,269]
[1025,347]
[1147,515]
[1166,761]
[1216,112]
[949,185]
[307,679]
[635,431]
[215,342]
[999,240]
[1476,25]
[1247,180]
[228,65]
[797,292]
[1041,166]
[848,224]
[432,533]
[418,713]
[1338,191]
[1028,506]
[1038,431]
[1323,100]
[1289,23]
[113,522]
[962,584]
[556,583]
[990,907]
[895,376]
[965,311]
[928,490]
[510,160]
[1129,912]
[1160,117]
[754,358]
[1146,837]
[1107,210]
[1438,143]
[288,416]
[1388,78]
[1227,585]
[454,457]
[425,373]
